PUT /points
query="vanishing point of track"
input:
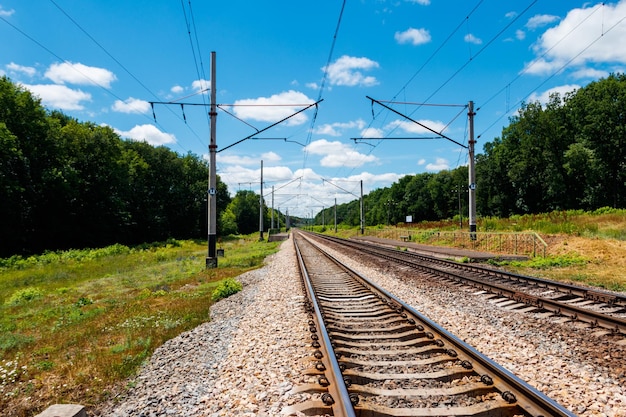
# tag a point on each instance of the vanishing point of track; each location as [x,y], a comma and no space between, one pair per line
[377,356]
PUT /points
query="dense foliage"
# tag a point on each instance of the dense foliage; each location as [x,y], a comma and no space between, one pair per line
[567,155]
[66,184]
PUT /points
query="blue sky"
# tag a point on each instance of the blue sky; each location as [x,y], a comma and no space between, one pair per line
[105,61]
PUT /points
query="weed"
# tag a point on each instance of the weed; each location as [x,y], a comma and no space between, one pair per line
[226,288]
[24,296]
[14,341]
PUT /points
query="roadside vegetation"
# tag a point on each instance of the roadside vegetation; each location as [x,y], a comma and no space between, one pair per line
[75,324]
[582,247]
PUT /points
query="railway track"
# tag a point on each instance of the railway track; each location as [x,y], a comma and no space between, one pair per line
[598,309]
[376,356]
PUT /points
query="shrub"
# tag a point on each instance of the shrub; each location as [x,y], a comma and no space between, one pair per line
[226,288]
[24,296]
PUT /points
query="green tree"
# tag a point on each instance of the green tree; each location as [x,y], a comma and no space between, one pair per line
[245,207]
[598,115]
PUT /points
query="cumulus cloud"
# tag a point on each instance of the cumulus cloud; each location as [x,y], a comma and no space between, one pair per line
[76,73]
[336,129]
[576,42]
[131,105]
[440,164]
[201,85]
[540,20]
[338,154]
[249,160]
[6,13]
[148,133]
[421,2]
[413,36]
[274,108]
[346,71]
[372,132]
[544,97]
[13,67]
[177,89]
[59,96]
[469,38]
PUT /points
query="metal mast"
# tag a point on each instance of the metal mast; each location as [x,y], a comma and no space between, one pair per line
[211,259]
[472,172]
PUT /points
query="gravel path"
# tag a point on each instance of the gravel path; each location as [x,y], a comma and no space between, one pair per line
[250,355]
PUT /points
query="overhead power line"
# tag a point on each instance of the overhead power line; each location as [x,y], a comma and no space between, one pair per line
[110,55]
[558,70]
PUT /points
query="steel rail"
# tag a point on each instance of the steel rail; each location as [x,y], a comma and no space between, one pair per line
[593,318]
[339,399]
[529,399]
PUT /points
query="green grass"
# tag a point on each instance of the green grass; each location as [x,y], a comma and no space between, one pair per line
[74,324]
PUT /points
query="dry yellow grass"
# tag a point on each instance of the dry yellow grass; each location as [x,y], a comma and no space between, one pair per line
[606,261]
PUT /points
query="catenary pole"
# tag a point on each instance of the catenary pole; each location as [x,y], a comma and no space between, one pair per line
[272,225]
[211,259]
[362,214]
[472,173]
[261,206]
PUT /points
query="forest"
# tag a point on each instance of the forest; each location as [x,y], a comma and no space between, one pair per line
[71,184]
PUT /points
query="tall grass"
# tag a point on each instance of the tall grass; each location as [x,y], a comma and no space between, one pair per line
[74,324]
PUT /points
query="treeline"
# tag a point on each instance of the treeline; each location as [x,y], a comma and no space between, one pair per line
[66,184]
[567,155]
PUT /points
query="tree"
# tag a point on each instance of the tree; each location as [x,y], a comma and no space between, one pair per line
[245,207]
[597,113]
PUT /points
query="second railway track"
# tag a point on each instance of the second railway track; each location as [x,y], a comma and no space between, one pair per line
[597,308]
[379,357]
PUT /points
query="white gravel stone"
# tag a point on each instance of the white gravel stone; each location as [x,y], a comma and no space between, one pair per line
[245,361]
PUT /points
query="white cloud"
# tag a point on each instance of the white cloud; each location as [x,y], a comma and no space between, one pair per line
[313,86]
[6,13]
[413,36]
[249,160]
[577,41]
[544,97]
[422,161]
[372,132]
[80,74]
[422,2]
[177,89]
[411,127]
[270,157]
[345,71]
[510,15]
[336,129]
[439,165]
[148,133]
[59,96]
[201,85]
[13,67]
[540,20]
[267,109]
[131,105]
[469,38]
[338,154]
[520,35]
[590,73]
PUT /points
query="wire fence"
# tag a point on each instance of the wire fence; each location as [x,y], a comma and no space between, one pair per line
[528,243]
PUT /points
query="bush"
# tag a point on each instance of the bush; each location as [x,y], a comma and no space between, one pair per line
[226,288]
[24,296]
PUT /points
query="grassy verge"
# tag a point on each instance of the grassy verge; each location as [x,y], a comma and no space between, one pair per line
[74,324]
[583,247]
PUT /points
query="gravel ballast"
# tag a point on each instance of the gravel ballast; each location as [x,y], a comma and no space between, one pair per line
[246,360]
